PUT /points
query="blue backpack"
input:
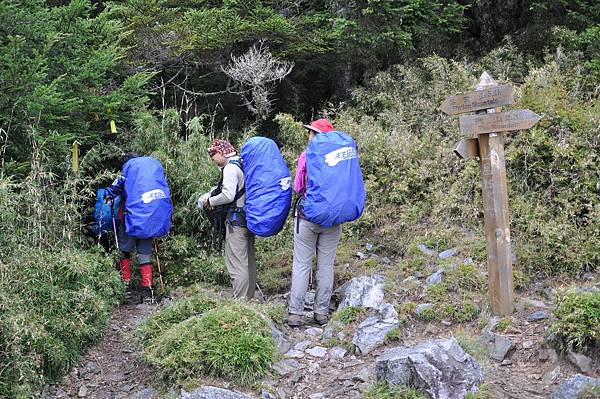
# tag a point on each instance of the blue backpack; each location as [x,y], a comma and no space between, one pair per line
[335,191]
[102,214]
[148,205]
[268,187]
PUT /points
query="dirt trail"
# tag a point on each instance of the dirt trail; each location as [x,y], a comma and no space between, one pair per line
[111,369]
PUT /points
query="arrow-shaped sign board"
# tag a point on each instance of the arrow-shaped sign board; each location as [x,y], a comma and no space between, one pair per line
[467,148]
[482,99]
[471,125]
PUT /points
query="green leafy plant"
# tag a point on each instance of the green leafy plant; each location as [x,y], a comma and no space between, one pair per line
[201,336]
[348,314]
[576,318]
[385,391]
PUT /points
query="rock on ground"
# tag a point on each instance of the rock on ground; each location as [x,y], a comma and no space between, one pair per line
[582,362]
[372,331]
[282,344]
[208,392]
[364,291]
[574,387]
[439,368]
[497,346]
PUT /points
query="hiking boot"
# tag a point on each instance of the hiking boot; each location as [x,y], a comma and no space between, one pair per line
[321,319]
[147,295]
[296,320]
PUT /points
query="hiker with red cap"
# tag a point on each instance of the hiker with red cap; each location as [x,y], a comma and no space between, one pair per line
[331,191]
[230,194]
[311,238]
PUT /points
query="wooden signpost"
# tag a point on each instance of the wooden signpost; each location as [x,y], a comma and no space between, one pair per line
[485,139]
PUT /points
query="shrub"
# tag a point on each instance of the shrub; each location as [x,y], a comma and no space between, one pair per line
[465,277]
[577,318]
[385,391]
[412,175]
[349,314]
[201,336]
[53,305]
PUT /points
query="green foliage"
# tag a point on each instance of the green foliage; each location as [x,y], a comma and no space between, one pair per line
[385,391]
[58,66]
[465,277]
[392,335]
[201,336]
[348,314]
[503,324]
[407,161]
[53,305]
[590,393]
[577,318]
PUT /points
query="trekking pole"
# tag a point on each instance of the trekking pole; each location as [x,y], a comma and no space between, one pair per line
[114,222]
[261,293]
[162,283]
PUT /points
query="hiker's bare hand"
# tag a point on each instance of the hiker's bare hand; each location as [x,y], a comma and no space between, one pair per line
[207,204]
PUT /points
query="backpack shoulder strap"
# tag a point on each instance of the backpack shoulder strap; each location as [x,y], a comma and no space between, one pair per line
[238,194]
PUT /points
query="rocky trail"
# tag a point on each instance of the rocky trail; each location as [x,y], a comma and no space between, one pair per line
[112,368]
[344,359]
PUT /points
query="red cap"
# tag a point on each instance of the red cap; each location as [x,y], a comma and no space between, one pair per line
[320,126]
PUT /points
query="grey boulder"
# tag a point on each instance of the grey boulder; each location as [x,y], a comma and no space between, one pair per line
[574,387]
[439,368]
[363,291]
[497,346]
[208,392]
[371,332]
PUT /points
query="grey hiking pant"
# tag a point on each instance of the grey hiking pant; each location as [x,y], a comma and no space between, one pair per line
[240,260]
[128,244]
[310,238]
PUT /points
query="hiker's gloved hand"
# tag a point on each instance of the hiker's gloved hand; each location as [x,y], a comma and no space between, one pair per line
[203,198]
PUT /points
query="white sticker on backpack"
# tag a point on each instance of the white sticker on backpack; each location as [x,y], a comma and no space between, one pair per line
[341,154]
[152,195]
[285,183]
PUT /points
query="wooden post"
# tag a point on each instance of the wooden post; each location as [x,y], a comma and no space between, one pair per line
[496,217]
[484,138]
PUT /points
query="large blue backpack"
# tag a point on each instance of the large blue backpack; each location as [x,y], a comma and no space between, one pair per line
[102,213]
[335,191]
[148,205]
[268,186]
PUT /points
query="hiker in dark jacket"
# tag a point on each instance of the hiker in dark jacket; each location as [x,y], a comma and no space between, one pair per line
[310,238]
[239,242]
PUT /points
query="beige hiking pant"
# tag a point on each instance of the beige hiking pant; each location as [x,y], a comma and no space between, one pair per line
[310,238]
[240,260]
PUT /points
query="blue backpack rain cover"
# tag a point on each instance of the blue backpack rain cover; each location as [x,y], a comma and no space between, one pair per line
[147,198]
[268,187]
[335,192]
[102,216]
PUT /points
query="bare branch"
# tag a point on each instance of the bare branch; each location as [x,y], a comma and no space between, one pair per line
[257,72]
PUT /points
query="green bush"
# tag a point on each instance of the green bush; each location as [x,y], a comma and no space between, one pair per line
[411,174]
[200,336]
[465,277]
[53,305]
[577,318]
[385,391]
[349,314]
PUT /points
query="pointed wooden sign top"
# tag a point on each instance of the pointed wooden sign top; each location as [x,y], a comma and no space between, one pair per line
[489,97]
[467,148]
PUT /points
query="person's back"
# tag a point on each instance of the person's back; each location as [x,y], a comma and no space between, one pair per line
[146,214]
[331,192]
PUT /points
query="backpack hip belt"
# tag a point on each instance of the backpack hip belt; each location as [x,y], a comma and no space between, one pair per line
[236,217]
